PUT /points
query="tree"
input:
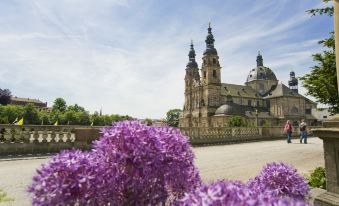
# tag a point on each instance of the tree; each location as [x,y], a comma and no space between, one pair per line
[98,120]
[76,108]
[5,96]
[31,115]
[9,113]
[59,105]
[44,118]
[172,117]
[236,121]
[148,121]
[321,82]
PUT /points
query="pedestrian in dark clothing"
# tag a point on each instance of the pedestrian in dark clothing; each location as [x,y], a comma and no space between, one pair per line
[303,131]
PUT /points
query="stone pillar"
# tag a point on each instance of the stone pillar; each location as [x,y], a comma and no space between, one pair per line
[330,136]
[336,33]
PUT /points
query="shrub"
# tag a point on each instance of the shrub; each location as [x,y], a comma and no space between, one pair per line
[318,178]
[4,197]
[131,164]
[232,193]
[279,180]
[237,121]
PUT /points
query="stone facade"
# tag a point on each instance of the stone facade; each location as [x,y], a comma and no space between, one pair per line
[262,101]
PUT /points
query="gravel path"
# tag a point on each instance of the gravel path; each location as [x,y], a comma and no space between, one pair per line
[237,161]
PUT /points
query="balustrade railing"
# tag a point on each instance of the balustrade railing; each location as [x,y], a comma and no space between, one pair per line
[31,139]
[36,134]
[200,135]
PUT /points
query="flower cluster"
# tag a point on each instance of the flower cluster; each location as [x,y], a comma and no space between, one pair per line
[277,185]
[150,164]
[232,193]
[280,180]
[131,164]
[68,177]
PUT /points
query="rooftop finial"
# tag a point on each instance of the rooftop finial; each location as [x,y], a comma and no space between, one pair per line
[260,61]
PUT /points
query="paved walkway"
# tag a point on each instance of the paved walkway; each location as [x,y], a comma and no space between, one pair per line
[244,161]
[238,161]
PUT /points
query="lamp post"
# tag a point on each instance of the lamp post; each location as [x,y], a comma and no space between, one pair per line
[256,116]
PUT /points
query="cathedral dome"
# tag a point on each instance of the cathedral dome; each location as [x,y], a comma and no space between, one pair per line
[229,109]
[261,72]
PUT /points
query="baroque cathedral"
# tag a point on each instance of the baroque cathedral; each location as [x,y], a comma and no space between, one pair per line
[262,101]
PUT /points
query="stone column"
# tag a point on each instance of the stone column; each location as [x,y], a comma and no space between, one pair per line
[330,136]
[336,33]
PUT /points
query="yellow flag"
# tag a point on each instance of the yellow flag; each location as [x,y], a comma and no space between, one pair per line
[56,123]
[21,121]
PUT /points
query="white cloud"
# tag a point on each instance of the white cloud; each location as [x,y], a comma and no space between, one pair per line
[118,55]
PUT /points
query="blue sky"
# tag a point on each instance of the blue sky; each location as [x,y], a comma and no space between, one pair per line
[129,56]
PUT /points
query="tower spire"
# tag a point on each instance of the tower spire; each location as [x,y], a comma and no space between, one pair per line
[260,61]
[210,41]
[191,57]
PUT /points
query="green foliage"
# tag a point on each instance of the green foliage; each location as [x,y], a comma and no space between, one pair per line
[31,115]
[4,197]
[321,82]
[237,121]
[172,117]
[75,108]
[71,115]
[59,105]
[8,113]
[148,121]
[5,96]
[44,118]
[318,178]
[327,10]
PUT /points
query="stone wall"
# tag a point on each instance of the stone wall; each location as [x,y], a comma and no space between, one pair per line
[225,135]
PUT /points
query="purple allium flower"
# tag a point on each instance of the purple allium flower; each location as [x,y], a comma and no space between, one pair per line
[232,193]
[280,180]
[145,165]
[67,179]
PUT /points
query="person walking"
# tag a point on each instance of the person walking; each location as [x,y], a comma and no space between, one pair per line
[288,130]
[303,131]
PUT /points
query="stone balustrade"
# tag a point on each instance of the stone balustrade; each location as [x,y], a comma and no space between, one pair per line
[35,139]
[238,134]
[32,139]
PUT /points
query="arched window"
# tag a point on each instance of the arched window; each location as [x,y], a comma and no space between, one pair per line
[214,73]
[294,110]
[214,61]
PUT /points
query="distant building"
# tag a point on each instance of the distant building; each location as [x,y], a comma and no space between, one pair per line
[159,122]
[263,100]
[322,114]
[24,101]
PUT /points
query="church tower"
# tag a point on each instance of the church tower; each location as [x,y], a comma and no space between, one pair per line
[192,83]
[210,74]
[293,82]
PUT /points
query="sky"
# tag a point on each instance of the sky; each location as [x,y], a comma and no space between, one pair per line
[128,57]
